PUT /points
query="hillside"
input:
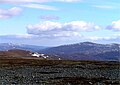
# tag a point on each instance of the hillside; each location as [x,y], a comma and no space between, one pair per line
[79,51]
[9,46]
[14,53]
[86,51]
[24,54]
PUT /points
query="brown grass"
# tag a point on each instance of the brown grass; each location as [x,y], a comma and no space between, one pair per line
[43,62]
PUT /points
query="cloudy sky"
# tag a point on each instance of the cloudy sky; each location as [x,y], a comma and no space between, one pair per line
[57,22]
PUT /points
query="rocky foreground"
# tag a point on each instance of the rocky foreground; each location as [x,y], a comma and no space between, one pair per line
[58,72]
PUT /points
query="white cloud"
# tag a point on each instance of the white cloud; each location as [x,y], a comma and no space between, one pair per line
[80,26]
[68,0]
[117,35]
[18,36]
[25,36]
[35,1]
[8,13]
[44,26]
[57,38]
[114,38]
[103,6]
[114,26]
[57,29]
[38,6]
[23,1]
[95,38]
[61,34]
[49,17]
[53,40]
[66,34]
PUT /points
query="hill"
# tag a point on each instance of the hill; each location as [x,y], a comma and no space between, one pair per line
[9,46]
[79,51]
[86,51]
[24,54]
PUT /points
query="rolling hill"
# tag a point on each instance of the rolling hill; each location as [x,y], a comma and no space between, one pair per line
[86,51]
[9,46]
[79,51]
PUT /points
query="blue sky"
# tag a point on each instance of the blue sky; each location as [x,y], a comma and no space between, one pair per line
[57,22]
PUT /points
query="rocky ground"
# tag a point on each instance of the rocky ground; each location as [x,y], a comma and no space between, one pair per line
[58,72]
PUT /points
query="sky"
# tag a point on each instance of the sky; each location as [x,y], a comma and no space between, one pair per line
[59,22]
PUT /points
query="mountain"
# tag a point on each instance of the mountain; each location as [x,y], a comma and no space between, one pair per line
[14,53]
[9,46]
[86,51]
[17,53]
[79,51]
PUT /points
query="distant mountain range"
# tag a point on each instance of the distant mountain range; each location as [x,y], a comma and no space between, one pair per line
[9,46]
[86,51]
[79,51]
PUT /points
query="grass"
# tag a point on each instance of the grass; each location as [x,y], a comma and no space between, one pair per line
[43,62]
[59,72]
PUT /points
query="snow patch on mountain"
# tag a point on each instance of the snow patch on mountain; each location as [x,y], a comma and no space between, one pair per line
[39,55]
